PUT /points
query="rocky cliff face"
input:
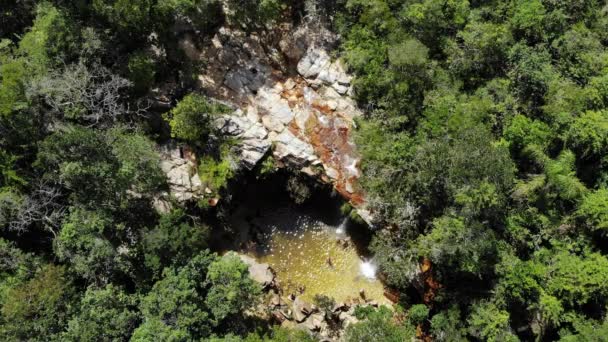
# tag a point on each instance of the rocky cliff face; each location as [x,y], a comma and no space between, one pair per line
[290,97]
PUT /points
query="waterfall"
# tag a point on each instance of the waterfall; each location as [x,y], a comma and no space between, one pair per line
[342,227]
[368,269]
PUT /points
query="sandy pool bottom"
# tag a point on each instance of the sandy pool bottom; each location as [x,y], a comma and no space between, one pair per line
[317,262]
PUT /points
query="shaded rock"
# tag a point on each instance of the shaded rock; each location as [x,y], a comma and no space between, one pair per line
[251,136]
[314,322]
[290,148]
[301,310]
[313,63]
[184,183]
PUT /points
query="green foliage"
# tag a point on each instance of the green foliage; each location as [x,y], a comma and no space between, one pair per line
[581,54]
[490,323]
[107,314]
[231,290]
[379,327]
[215,173]
[204,14]
[142,71]
[191,301]
[191,119]
[12,86]
[447,326]
[98,169]
[9,175]
[252,13]
[418,313]
[128,17]
[36,309]
[585,330]
[175,239]
[454,243]
[593,210]
[588,134]
[82,243]
[528,20]
[52,38]
[483,52]
[175,307]
[523,131]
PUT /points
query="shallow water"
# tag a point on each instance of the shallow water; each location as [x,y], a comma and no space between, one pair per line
[305,246]
[314,260]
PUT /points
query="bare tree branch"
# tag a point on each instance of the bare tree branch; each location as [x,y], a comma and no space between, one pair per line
[89,93]
[41,206]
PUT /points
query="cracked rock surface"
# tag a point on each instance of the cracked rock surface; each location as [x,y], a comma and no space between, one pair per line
[292,98]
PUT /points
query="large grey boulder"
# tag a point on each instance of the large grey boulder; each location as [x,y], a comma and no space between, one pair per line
[252,137]
[261,273]
[182,178]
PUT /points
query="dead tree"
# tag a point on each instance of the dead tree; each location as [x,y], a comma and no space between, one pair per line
[91,94]
[42,206]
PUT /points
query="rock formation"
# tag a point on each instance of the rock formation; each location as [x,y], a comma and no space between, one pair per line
[290,96]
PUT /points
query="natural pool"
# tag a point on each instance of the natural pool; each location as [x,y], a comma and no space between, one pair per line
[311,248]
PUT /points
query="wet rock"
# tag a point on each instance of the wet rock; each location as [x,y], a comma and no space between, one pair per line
[307,118]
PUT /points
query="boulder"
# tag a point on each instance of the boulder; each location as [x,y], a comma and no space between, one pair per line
[261,273]
[314,322]
[301,310]
[252,137]
[314,62]
[184,183]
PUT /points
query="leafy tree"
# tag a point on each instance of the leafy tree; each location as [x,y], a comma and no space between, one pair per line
[52,38]
[379,327]
[107,314]
[175,239]
[142,71]
[37,309]
[250,14]
[447,326]
[175,307]
[482,53]
[191,119]
[128,17]
[204,14]
[588,134]
[593,210]
[231,290]
[580,53]
[528,20]
[454,243]
[99,169]
[418,313]
[82,242]
[523,131]
[490,323]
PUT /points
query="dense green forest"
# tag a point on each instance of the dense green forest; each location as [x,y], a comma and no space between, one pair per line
[484,150]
